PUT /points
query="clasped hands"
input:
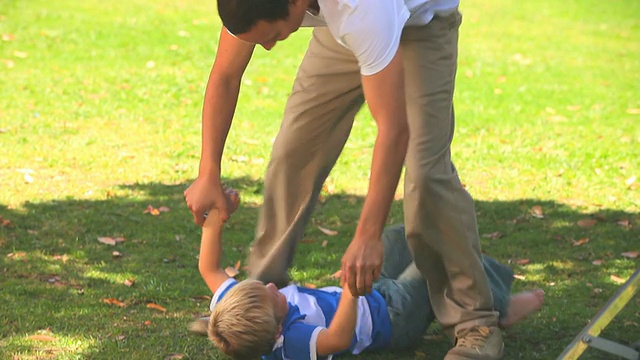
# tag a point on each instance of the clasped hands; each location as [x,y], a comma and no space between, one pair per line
[362,264]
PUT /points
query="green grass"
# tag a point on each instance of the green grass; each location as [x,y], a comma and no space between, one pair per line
[100,106]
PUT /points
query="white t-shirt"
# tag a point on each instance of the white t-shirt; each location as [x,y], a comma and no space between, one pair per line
[371,29]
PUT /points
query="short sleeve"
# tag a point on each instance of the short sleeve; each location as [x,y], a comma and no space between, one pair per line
[300,341]
[372,31]
[222,291]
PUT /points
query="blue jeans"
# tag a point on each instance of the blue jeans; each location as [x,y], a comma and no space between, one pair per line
[406,292]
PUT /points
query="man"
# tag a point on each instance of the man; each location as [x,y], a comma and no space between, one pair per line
[401,57]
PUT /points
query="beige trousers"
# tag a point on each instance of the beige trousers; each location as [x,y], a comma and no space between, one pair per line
[439,213]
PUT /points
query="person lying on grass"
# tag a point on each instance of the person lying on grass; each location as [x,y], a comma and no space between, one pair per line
[250,319]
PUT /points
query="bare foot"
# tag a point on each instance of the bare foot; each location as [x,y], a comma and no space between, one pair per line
[521,305]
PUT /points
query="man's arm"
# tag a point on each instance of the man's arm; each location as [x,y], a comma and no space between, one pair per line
[339,336]
[384,92]
[221,97]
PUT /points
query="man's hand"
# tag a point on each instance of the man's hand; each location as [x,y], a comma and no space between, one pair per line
[362,264]
[206,194]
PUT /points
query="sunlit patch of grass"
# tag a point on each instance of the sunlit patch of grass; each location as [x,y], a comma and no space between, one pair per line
[110,277]
[46,345]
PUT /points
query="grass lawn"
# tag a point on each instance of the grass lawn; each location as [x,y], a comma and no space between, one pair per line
[100,118]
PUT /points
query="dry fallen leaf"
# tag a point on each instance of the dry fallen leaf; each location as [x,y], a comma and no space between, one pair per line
[116,254]
[630,180]
[250,141]
[107,240]
[129,283]
[580,242]
[147,323]
[519,277]
[536,211]
[156,307]
[633,111]
[151,210]
[41,337]
[597,262]
[201,297]
[624,223]
[493,235]
[164,209]
[231,271]
[112,301]
[631,254]
[324,243]
[120,337]
[307,241]
[523,261]
[239,158]
[328,186]
[28,178]
[173,356]
[617,279]
[63,257]
[328,231]
[587,223]
[5,222]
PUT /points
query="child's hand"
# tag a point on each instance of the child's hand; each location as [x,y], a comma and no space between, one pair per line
[233,199]
[214,216]
[345,288]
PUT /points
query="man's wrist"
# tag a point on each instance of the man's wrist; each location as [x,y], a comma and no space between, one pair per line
[209,171]
[368,232]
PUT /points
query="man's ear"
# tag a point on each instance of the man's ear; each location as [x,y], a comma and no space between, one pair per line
[293,3]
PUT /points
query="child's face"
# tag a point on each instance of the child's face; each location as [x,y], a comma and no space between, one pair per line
[279,301]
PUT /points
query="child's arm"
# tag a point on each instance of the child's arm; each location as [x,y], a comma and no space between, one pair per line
[339,336]
[210,252]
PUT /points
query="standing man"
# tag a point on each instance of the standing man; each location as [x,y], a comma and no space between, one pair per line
[401,57]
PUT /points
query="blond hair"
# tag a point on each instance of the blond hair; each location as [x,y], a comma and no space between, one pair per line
[244,323]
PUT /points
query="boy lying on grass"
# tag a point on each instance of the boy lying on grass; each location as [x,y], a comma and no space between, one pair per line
[250,319]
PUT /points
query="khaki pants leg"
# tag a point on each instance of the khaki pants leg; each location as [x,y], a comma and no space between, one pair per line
[318,117]
[439,215]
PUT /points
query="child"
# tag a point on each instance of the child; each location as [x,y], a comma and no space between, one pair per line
[250,319]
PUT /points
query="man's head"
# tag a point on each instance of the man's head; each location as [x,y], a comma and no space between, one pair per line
[262,22]
[248,320]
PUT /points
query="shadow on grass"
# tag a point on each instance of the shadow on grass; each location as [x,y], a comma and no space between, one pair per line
[56,275]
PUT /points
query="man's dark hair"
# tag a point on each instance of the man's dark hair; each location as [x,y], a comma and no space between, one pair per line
[239,16]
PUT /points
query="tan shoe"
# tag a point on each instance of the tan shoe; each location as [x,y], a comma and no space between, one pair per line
[477,343]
